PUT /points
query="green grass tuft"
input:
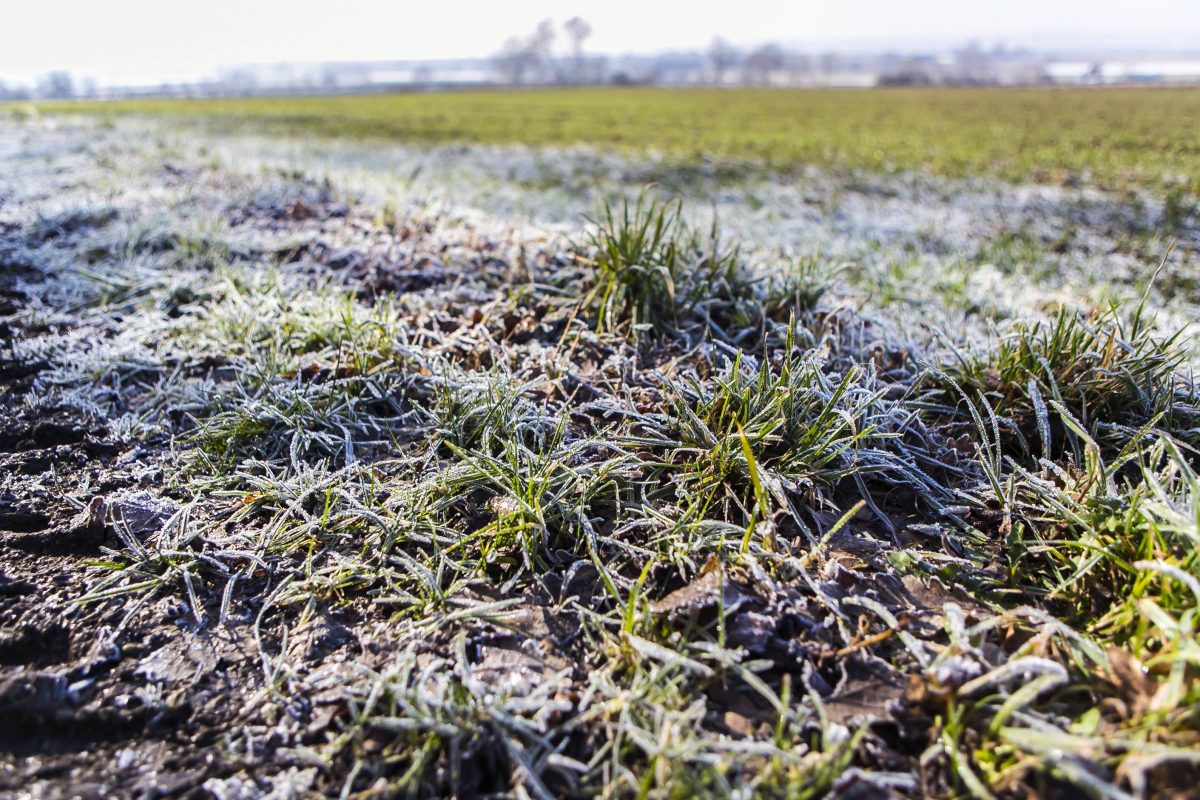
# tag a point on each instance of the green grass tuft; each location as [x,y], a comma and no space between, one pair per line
[652,271]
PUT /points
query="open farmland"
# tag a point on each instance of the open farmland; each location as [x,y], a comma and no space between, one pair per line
[1113,138]
[412,446]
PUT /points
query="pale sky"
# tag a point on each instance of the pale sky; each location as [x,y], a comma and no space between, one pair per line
[166,38]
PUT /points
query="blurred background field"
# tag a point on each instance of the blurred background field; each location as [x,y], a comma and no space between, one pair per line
[1111,138]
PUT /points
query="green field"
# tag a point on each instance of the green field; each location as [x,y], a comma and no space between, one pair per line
[1108,137]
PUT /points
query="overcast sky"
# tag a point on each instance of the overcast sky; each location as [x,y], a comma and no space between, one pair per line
[184,37]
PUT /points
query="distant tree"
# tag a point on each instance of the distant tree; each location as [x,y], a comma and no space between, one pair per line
[542,40]
[971,63]
[240,81]
[595,69]
[329,76]
[542,44]
[521,55]
[579,30]
[56,85]
[13,92]
[761,63]
[514,61]
[909,72]
[723,57]
[800,66]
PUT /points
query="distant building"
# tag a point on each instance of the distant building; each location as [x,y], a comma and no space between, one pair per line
[1072,72]
[1151,72]
[1123,72]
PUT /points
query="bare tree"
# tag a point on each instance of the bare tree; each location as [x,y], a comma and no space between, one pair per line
[514,60]
[542,41]
[761,63]
[723,57]
[13,92]
[579,30]
[800,66]
[241,81]
[521,55]
[830,63]
[56,85]
[330,79]
[542,44]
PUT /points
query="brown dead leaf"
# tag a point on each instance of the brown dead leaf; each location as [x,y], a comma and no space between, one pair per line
[742,726]
[1130,679]
[709,587]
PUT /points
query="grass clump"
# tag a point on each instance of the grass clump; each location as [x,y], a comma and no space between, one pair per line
[1094,548]
[205,244]
[1044,378]
[481,415]
[651,271]
[765,437]
[297,375]
[796,288]
[1112,551]
[272,418]
[522,504]
[434,728]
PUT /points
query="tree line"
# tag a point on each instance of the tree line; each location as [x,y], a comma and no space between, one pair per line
[532,58]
